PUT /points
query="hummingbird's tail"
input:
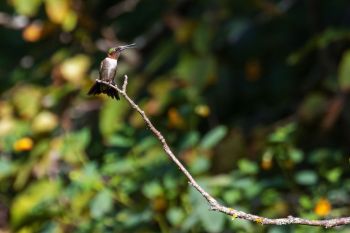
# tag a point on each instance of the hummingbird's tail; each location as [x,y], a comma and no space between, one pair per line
[99,88]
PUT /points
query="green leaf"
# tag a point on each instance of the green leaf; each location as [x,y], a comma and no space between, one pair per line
[197,71]
[27,7]
[306,177]
[232,196]
[189,140]
[175,216]
[211,221]
[120,140]
[334,175]
[344,71]
[88,178]
[248,167]
[6,168]
[74,145]
[101,204]
[202,38]
[21,96]
[296,155]
[213,137]
[112,116]
[201,164]
[277,229]
[283,134]
[152,189]
[305,202]
[34,201]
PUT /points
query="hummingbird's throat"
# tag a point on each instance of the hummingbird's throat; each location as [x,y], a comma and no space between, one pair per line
[113,55]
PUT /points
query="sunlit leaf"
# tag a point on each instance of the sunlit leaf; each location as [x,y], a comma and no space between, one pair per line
[306,177]
[283,133]
[6,168]
[27,7]
[88,178]
[21,98]
[73,145]
[334,175]
[44,122]
[57,10]
[34,201]
[122,141]
[111,116]
[152,189]
[175,216]
[101,204]
[232,196]
[296,155]
[211,221]
[247,166]
[199,165]
[74,69]
[213,137]
[70,21]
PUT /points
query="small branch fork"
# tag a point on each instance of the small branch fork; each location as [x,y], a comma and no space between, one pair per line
[213,203]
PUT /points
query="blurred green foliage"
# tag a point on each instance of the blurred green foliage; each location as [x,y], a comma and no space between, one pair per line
[251,95]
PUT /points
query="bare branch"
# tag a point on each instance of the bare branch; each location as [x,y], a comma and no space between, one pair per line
[125,83]
[213,203]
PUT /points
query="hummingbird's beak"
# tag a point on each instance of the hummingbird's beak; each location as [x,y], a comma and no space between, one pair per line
[127,46]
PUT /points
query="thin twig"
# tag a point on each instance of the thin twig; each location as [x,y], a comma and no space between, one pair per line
[213,203]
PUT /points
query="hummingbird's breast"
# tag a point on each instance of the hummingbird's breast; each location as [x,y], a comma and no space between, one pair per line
[108,69]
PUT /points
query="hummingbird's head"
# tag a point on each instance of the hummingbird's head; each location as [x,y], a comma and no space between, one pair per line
[116,51]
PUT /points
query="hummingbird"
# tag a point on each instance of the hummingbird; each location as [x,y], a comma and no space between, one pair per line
[108,69]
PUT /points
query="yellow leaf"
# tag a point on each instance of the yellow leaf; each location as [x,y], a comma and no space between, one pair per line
[27,99]
[23,205]
[7,124]
[202,110]
[57,10]
[44,122]
[23,144]
[74,69]
[70,21]
[26,7]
